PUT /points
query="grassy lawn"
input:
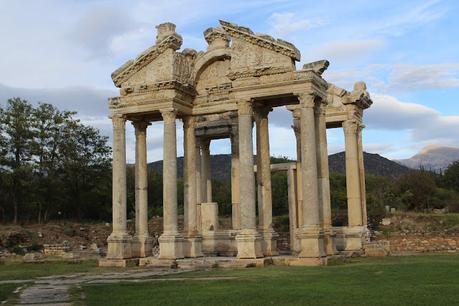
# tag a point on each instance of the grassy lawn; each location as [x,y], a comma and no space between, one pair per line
[6,290]
[421,280]
[18,270]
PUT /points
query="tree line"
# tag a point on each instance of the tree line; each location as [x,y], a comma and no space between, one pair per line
[54,167]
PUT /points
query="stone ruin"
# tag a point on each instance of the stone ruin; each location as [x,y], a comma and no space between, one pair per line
[220,93]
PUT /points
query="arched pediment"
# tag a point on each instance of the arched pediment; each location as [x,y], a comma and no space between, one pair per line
[212,74]
[210,58]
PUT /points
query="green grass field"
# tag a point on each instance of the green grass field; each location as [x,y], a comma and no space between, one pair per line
[18,270]
[421,280]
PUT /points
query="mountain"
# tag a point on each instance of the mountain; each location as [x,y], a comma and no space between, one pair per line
[374,164]
[432,157]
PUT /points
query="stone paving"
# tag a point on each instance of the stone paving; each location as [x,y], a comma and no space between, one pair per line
[57,289]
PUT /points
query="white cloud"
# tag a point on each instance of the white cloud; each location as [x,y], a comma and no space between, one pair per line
[346,50]
[418,77]
[410,18]
[283,24]
[424,124]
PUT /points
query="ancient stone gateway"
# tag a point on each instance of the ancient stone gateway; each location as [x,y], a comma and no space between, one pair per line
[217,94]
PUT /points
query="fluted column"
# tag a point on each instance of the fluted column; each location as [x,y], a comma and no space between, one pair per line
[142,242]
[198,187]
[299,189]
[311,235]
[170,242]
[206,170]
[352,173]
[324,180]
[119,241]
[235,199]
[192,245]
[363,197]
[248,240]
[269,237]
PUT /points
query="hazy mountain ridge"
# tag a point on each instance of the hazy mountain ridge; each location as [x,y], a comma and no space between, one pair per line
[374,164]
[436,158]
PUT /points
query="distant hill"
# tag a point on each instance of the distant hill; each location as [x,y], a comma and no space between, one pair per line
[432,158]
[374,164]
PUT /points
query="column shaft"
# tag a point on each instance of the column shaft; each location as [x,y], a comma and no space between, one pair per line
[119,241]
[352,174]
[311,234]
[142,238]
[235,199]
[248,240]
[363,196]
[170,242]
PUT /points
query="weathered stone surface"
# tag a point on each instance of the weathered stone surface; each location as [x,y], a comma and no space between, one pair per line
[219,93]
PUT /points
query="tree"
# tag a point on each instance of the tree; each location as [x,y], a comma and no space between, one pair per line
[451,176]
[417,189]
[17,162]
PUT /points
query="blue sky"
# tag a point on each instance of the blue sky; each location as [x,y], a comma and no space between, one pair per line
[406,51]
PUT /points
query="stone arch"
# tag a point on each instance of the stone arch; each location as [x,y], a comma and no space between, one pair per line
[208,59]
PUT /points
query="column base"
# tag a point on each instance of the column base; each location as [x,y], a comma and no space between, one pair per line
[170,246]
[192,246]
[311,242]
[142,246]
[354,237]
[119,246]
[329,242]
[269,242]
[248,244]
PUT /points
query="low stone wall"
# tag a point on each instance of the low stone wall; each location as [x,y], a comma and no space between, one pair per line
[421,244]
[55,249]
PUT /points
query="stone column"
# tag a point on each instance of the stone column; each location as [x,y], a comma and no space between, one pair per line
[299,196]
[142,242]
[207,158]
[235,181]
[192,244]
[198,187]
[206,182]
[248,239]
[324,180]
[363,196]
[311,235]
[170,242]
[292,207]
[355,230]
[119,241]
[269,237]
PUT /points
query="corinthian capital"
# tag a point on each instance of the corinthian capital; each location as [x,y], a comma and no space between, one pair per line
[118,121]
[140,125]
[261,112]
[244,107]
[306,99]
[350,127]
[189,121]
[169,115]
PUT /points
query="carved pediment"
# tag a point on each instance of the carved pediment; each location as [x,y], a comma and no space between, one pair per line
[254,55]
[159,63]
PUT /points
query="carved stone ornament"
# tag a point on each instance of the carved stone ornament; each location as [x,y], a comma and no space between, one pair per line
[350,127]
[140,125]
[244,107]
[262,40]
[318,67]
[216,38]
[118,121]
[189,122]
[306,99]
[169,115]
[171,41]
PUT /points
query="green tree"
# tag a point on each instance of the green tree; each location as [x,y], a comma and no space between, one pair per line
[451,176]
[17,144]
